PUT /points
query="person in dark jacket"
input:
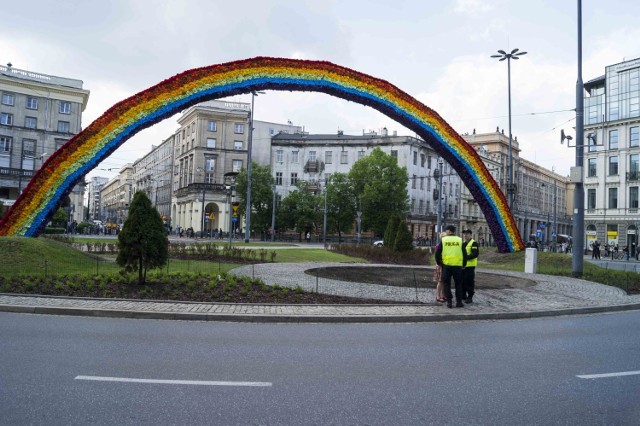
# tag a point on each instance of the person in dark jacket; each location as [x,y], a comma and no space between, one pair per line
[472,251]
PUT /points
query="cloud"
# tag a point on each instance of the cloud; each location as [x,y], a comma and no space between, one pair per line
[471,7]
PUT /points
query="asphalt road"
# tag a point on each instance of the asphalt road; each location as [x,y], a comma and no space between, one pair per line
[77,370]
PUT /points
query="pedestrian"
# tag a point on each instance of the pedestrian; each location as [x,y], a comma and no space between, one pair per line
[452,258]
[308,237]
[472,251]
[625,249]
[437,277]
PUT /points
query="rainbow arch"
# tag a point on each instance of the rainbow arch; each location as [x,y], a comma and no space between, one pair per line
[68,166]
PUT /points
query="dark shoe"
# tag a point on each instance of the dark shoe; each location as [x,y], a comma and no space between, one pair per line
[449,304]
[459,305]
[468,300]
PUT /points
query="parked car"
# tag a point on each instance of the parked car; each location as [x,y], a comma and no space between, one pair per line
[379,243]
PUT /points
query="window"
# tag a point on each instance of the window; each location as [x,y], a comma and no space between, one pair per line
[415,158]
[32,103]
[294,156]
[8,99]
[361,154]
[63,126]
[634,137]
[212,126]
[30,122]
[633,163]
[428,162]
[344,157]
[236,166]
[279,156]
[613,165]
[210,170]
[394,154]
[278,178]
[613,139]
[238,128]
[6,119]
[633,197]
[413,182]
[312,156]
[420,205]
[294,178]
[613,198]
[328,157]
[65,107]
[5,144]
[591,198]
[211,142]
[272,131]
[193,127]
[237,145]
[591,171]
[29,147]
[423,160]
[422,182]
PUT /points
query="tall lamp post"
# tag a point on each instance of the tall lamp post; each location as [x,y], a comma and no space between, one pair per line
[273,214]
[577,259]
[439,223]
[229,182]
[514,54]
[247,216]
[324,223]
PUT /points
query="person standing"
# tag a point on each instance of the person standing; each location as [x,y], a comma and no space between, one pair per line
[437,277]
[472,251]
[452,259]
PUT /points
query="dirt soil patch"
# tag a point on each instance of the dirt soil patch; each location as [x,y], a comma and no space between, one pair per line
[410,277]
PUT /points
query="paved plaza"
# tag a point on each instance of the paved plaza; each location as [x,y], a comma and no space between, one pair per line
[550,296]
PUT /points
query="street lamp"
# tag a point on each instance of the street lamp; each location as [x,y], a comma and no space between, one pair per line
[229,185]
[577,260]
[438,178]
[247,216]
[514,54]
[273,214]
[324,223]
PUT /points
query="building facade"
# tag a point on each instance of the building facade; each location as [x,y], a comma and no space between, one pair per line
[611,168]
[115,196]
[95,210]
[313,158]
[542,202]
[38,114]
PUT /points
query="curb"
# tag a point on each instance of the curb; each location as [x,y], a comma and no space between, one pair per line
[300,319]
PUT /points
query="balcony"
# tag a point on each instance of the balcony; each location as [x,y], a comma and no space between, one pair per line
[198,187]
[6,171]
[313,166]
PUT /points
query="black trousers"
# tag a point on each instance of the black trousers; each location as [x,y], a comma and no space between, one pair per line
[469,280]
[447,273]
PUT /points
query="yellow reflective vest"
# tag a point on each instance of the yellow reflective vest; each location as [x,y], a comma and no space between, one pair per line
[452,251]
[474,261]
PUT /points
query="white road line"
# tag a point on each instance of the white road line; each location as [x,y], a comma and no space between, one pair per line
[602,376]
[173,382]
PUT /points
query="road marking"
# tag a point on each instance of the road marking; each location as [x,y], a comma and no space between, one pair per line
[602,376]
[172,382]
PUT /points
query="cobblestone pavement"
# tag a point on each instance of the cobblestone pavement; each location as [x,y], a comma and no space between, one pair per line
[550,296]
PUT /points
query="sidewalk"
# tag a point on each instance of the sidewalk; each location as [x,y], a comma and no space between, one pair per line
[551,296]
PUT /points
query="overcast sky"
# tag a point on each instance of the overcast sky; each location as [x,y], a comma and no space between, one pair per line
[437,51]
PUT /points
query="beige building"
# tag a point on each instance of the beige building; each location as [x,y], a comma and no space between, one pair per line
[542,198]
[115,196]
[38,114]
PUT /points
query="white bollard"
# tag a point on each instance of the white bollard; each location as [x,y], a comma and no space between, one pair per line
[530,260]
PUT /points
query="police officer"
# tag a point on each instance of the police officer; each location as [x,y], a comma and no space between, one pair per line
[452,259]
[471,250]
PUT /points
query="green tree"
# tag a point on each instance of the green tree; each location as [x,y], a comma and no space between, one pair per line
[143,241]
[261,195]
[404,239]
[59,218]
[391,232]
[381,186]
[341,204]
[301,209]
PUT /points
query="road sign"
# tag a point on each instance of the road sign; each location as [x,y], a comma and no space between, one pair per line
[553,234]
[234,219]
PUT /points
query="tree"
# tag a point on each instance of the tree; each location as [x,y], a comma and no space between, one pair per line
[301,209]
[143,241]
[341,204]
[59,218]
[391,232]
[261,195]
[404,239]
[381,186]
